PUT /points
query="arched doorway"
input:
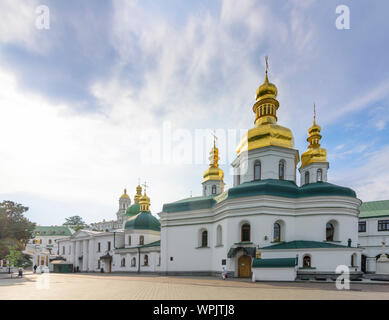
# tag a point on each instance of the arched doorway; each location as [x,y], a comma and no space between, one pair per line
[244,266]
[363,263]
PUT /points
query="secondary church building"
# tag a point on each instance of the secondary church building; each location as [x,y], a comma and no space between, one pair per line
[267,225]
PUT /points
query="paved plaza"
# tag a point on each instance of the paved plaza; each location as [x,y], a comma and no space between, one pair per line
[129,287]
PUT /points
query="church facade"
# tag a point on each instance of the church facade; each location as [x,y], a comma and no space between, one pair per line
[265,220]
[268,226]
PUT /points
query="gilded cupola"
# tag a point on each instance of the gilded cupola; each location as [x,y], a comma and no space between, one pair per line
[124,195]
[144,201]
[266,131]
[138,193]
[213,172]
[314,153]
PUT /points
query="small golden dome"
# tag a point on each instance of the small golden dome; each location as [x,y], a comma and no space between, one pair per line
[125,195]
[144,202]
[266,90]
[315,153]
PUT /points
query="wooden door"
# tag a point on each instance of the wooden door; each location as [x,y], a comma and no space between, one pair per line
[244,266]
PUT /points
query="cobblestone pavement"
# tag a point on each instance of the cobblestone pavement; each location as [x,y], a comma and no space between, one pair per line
[125,286]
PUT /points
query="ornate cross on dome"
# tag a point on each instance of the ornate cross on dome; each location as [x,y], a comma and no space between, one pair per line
[145,186]
[314,111]
[267,63]
[214,137]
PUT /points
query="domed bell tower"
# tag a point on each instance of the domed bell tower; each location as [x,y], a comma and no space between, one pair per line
[314,165]
[124,203]
[213,183]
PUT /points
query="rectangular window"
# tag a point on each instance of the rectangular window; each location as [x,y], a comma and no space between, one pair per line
[129,240]
[383,225]
[362,226]
[98,247]
[109,245]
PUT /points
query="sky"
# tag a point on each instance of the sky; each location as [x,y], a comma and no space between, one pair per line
[121,91]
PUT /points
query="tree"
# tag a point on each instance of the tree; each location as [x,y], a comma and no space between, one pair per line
[15,228]
[13,257]
[76,222]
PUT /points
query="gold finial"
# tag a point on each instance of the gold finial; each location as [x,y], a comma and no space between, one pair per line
[124,195]
[267,63]
[314,113]
[214,138]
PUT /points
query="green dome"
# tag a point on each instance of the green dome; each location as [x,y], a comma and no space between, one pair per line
[133,210]
[143,221]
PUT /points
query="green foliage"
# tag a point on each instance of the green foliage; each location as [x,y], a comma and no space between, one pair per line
[15,228]
[75,222]
[13,256]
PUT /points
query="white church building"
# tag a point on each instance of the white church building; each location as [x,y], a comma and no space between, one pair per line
[267,226]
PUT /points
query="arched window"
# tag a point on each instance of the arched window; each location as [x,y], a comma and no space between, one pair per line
[204,238]
[281,170]
[257,170]
[245,234]
[306,177]
[123,262]
[129,240]
[141,240]
[213,189]
[277,232]
[219,240]
[306,262]
[133,262]
[330,231]
[146,260]
[319,175]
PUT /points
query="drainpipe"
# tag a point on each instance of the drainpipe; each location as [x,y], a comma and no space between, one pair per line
[138,259]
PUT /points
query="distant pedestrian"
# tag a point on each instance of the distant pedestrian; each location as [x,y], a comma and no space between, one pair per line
[35,266]
[224,273]
[20,274]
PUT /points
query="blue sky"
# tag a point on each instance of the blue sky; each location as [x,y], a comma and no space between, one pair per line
[77,99]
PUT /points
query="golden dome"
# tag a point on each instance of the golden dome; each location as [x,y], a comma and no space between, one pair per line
[314,152]
[266,131]
[125,195]
[138,194]
[213,172]
[266,90]
[144,202]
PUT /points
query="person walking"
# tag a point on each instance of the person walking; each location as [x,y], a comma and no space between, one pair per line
[35,266]
[224,273]
[20,275]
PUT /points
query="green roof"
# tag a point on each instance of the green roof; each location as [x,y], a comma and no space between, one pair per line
[152,244]
[143,221]
[275,263]
[272,187]
[133,210]
[374,209]
[302,244]
[53,231]
[192,203]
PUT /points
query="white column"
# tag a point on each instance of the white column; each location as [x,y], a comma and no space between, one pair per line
[85,255]
[77,261]
[73,260]
[91,255]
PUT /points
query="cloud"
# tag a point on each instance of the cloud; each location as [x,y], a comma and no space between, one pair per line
[369,178]
[17,24]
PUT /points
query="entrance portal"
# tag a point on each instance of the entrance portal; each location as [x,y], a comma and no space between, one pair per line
[244,266]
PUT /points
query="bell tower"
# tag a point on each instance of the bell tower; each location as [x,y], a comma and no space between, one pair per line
[213,183]
[314,165]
